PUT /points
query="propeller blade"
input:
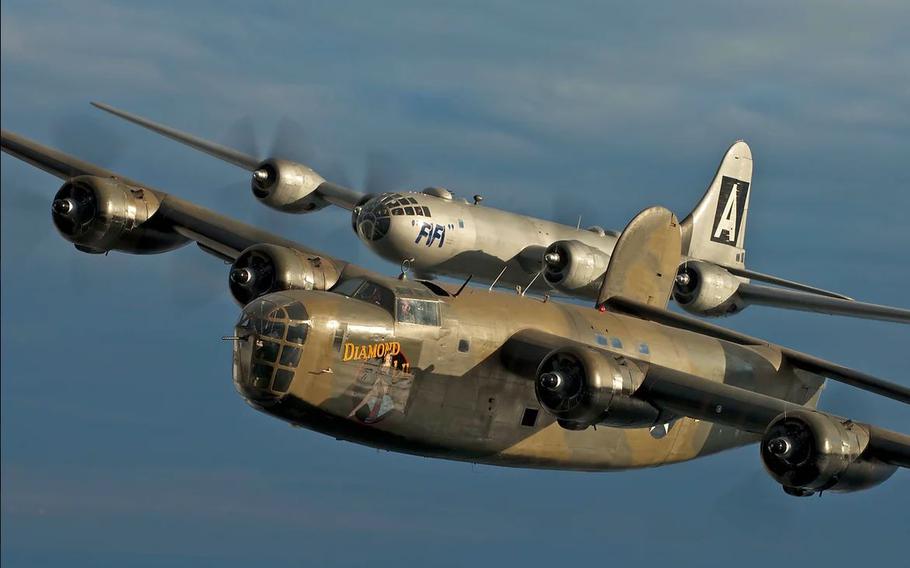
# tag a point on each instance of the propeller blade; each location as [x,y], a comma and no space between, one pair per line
[384,173]
[242,136]
[93,142]
[290,142]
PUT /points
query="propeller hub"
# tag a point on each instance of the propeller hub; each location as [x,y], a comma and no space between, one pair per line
[780,447]
[552,258]
[64,207]
[242,276]
[261,175]
[552,380]
[683,278]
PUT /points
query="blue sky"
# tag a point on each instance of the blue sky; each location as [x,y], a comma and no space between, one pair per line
[122,438]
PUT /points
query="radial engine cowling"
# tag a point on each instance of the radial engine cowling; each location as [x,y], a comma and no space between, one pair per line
[265,268]
[707,290]
[102,214]
[582,387]
[287,186]
[575,268]
[807,451]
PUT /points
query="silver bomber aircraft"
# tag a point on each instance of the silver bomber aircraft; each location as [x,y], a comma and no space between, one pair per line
[494,377]
[434,233]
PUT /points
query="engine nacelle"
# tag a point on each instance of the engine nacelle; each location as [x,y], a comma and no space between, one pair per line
[102,214]
[265,268]
[575,268]
[582,387]
[707,290]
[287,186]
[807,451]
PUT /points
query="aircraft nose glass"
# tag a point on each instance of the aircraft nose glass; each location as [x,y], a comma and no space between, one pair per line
[374,221]
[268,349]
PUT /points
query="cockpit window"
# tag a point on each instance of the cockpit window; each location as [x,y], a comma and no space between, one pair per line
[376,294]
[348,287]
[419,312]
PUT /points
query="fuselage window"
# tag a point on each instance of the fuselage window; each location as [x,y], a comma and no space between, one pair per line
[426,211]
[420,312]
[398,211]
[408,210]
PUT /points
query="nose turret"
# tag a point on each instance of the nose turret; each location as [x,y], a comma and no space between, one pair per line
[269,340]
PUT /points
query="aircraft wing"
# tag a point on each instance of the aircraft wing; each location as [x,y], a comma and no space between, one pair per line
[815,302]
[343,197]
[677,393]
[800,360]
[216,234]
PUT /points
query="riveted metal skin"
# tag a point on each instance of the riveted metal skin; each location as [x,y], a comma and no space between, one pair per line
[287,186]
[807,452]
[265,268]
[582,386]
[575,268]
[99,215]
[705,289]
[448,403]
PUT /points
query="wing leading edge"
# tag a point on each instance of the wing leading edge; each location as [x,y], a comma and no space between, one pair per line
[214,233]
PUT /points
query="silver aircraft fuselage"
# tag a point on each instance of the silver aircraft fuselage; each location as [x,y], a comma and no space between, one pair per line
[448,236]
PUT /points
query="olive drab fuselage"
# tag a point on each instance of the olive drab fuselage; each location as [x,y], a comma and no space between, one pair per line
[369,371]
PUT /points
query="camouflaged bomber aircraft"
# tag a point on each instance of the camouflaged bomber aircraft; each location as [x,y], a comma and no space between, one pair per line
[435,233]
[494,377]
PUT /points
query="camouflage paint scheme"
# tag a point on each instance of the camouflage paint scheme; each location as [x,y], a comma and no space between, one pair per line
[469,405]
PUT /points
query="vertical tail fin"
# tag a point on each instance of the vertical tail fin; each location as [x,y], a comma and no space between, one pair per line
[716,229]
